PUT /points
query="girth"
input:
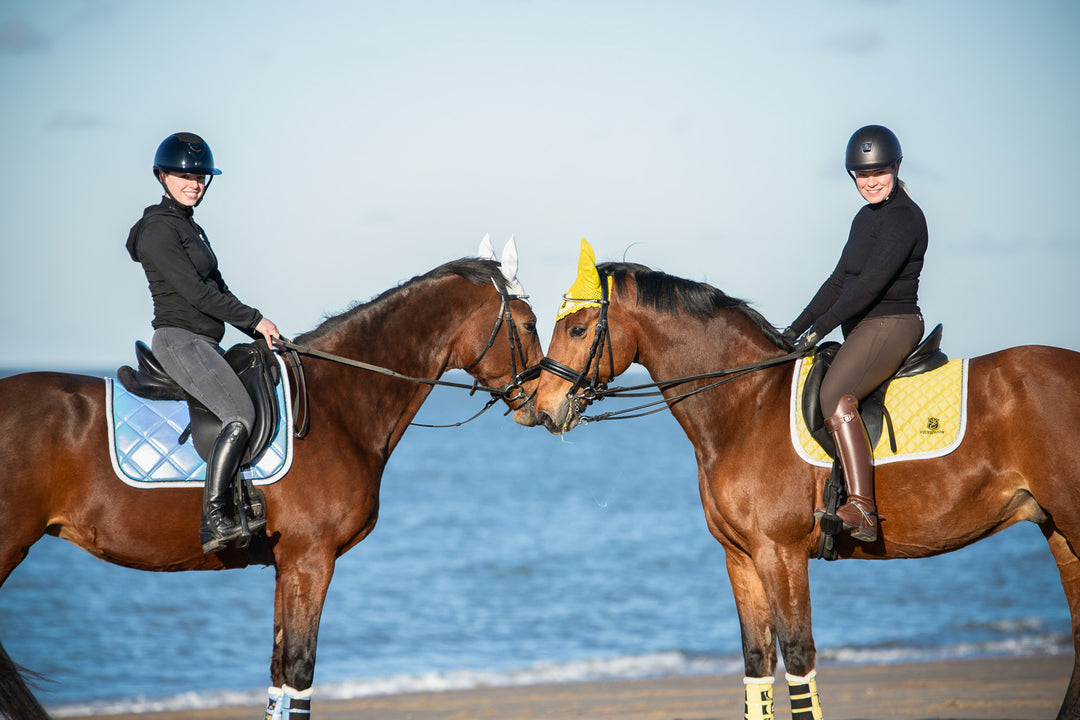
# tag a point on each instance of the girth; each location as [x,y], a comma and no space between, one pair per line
[925,357]
[255,366]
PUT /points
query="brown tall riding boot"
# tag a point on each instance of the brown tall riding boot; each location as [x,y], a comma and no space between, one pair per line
[853,449]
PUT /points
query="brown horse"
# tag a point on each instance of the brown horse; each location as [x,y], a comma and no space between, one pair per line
[1020,459]
[56,477]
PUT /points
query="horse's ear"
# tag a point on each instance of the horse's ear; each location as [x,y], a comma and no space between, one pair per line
[585,292]
[509,266]
[486,250]
[509,260]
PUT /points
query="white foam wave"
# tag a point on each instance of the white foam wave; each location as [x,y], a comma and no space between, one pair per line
[662,664]
[673,663]
[1021,646]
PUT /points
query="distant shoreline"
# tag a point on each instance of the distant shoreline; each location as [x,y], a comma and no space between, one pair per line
[976,689]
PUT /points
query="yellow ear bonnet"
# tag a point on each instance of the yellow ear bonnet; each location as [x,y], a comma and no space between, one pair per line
[585,292]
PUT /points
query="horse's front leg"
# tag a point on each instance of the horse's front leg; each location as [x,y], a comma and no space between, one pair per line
[784,574]
[772,595]
[758,634]
[298,602]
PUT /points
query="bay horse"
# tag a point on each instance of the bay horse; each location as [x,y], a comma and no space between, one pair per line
[1019,460]
[56,477]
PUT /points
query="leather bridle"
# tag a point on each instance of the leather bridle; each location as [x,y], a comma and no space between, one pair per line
[517,353]
[593,387]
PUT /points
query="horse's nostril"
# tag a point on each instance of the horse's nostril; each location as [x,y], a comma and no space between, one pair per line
[548,421]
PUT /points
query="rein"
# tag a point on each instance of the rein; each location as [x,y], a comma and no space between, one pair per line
[726,375]
[506,392]
[596,390]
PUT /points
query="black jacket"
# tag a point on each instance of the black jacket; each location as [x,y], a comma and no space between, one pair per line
[878,272]
[182,271]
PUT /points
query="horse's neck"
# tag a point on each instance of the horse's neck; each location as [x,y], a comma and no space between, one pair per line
[689,347]
[678,346]
[410,334]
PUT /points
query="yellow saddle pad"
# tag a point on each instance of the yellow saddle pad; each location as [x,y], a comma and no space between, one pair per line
[928,411]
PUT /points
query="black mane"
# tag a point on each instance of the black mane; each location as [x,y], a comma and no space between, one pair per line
[475,270]
[672,295]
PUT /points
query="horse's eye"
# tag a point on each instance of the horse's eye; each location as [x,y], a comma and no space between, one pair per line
[530,327]
[578,331]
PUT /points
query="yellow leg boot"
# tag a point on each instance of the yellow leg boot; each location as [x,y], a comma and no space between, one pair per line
[759,699]
[804,698]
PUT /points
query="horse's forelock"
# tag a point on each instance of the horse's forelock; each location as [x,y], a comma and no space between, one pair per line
[671,294]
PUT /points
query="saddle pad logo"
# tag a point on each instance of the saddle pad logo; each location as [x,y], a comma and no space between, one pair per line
[928,411]
[144,447]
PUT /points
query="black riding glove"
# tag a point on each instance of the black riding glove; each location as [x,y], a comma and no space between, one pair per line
[808,340]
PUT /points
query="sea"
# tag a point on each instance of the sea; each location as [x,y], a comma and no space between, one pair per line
[506,556]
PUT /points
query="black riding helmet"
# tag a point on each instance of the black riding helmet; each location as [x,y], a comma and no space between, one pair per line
[184,153]
[871,148]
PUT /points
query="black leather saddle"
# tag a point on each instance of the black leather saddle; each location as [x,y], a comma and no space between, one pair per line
[925,357]
[253,362]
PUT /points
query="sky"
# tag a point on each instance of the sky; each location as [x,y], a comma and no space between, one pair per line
[363,143]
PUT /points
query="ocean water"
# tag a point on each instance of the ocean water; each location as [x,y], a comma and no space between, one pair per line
[507,556]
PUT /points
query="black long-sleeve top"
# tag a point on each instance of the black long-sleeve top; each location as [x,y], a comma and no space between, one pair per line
[182,271]
[878,271]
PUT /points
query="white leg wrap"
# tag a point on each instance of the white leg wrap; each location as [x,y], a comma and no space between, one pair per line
[759,699]
[273,705]
[805,704]
[288,703]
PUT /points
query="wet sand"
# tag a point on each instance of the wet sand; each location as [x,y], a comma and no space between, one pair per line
[1006,689]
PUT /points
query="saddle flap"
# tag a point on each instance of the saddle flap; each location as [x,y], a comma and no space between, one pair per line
[811,405]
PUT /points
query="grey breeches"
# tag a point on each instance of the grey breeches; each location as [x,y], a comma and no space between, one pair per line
[196,364]
[869,356]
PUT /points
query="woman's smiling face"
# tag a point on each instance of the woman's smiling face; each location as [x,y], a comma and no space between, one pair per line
[185,189]
[876,185]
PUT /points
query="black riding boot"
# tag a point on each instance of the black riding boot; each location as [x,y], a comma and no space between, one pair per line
[859,513]
[218,529]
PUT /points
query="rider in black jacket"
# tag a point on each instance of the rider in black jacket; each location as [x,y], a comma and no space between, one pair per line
[873,295]
[182,271]
[191,306]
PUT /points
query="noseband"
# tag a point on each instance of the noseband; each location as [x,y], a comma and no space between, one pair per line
[593,388]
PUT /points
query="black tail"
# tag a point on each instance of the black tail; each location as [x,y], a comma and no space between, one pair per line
[16,700]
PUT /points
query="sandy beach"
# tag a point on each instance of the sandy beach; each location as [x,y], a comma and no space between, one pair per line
[1006,689]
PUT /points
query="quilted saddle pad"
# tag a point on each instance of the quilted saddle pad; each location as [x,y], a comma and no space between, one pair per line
[928,411]
[144,447]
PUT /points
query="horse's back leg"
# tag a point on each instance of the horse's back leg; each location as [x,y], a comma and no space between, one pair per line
[16,700]
[1069,567]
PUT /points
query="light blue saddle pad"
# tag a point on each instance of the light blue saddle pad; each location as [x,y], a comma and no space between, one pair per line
[144,447]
